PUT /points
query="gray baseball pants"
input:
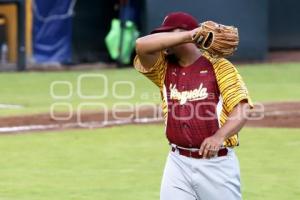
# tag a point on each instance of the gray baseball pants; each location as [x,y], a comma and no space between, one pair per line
[201,179]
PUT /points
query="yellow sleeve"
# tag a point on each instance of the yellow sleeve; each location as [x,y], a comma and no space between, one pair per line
[156,73]
[231,85]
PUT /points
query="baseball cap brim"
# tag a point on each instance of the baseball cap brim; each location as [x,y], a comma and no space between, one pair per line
[163,29]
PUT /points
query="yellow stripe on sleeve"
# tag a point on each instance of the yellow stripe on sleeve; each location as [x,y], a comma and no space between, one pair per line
[157,73]
[232,88]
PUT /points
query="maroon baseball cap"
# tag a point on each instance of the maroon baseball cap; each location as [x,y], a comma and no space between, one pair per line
[177,20]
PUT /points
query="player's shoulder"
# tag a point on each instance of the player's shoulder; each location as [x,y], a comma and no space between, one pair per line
[159,63]
[219,63]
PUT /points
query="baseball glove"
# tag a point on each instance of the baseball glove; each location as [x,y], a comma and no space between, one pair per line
[217,39]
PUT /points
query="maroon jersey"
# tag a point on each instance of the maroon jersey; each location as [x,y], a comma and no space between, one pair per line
[197,99]
[192,98]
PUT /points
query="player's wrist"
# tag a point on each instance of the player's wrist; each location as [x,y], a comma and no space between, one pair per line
[188,36]
[220,135]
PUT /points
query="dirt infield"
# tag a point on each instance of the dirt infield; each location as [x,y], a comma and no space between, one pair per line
[277,115]
[283,114]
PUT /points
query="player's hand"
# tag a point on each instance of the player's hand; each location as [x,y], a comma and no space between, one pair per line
[194,34]
[211,145]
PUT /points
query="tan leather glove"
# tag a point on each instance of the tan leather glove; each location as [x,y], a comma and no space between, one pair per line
[217,39]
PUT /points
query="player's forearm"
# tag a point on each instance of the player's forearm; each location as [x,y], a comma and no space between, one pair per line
[236,121]
[160,41]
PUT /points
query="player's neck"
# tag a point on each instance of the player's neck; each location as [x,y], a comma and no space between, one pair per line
[187,59]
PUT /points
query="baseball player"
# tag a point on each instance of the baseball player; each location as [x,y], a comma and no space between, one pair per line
[204,103]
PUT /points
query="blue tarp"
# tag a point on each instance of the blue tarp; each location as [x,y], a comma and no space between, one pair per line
[52,30]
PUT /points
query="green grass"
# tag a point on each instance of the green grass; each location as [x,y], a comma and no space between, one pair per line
[273,82]
[270,163]
[266,82]
[127,163]
[32,90]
